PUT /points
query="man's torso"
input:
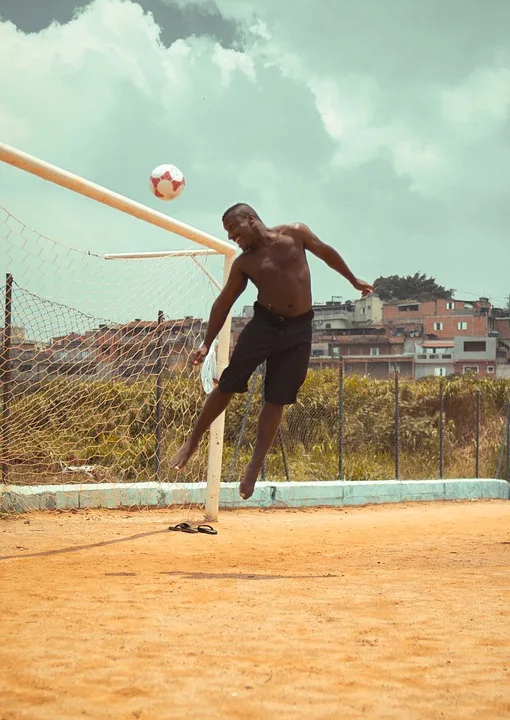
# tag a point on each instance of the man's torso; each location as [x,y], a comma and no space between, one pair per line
[280,272]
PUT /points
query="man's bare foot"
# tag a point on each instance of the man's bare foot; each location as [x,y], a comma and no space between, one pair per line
[247,484]
[182,456]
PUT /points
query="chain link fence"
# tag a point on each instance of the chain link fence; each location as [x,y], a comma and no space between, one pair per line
[89,398]
[348,425]
[104,402]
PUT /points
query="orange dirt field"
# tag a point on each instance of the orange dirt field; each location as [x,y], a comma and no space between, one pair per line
[396,611]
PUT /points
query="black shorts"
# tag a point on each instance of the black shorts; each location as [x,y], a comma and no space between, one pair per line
[284,343]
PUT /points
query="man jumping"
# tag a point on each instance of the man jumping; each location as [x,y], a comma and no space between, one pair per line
[279,333]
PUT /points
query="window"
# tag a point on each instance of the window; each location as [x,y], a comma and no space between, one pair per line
[374,351]
[438,326]
[450,306]
[462,325]
[409,308]
[490,368]
[328,326]
[475,346]
[470,368]
[440,371]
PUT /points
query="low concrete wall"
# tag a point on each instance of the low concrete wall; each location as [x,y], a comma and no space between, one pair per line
[285,494]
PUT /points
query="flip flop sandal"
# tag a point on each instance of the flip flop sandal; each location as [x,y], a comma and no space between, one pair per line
[183,527]
[207,529]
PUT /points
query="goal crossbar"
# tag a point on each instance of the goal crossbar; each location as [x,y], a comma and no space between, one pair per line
[54,174]
[148,255]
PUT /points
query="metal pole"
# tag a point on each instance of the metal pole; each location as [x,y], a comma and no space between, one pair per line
[508,445]
[441,429]
[6,376]
[477,438]
[397,428]
[212,501]
[159,395]
[263,469]
[284,455]
[503,442]
[340,438]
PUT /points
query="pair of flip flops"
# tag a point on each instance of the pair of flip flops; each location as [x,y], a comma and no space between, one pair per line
[187,528]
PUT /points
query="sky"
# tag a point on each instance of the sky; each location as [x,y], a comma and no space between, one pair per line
[384,125]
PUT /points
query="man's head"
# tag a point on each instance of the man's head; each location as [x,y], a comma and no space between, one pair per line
[242,224]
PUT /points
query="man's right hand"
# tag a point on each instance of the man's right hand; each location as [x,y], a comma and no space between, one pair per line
[200,355]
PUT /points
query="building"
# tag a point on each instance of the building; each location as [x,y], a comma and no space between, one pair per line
[144,347]
[120,351]
[502,332]
[372,350]
[434,357]
[479,355]
[475,354]
[441,319]
[337,315]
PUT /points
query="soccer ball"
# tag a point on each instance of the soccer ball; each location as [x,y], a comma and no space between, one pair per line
[167,182]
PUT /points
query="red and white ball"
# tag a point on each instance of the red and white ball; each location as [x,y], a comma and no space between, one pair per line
[167,182]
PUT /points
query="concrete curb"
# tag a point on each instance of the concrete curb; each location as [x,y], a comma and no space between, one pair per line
[334,493]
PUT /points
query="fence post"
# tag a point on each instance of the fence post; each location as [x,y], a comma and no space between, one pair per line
[441,430]
[397,428]
[508,444]
[159,394]
[284,454]
[477,435]
[6,375]
[263,468]
[340,438]
[504,444]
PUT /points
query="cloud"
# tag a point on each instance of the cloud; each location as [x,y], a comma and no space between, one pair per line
[381,125]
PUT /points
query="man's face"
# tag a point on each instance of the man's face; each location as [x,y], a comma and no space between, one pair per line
[240,228]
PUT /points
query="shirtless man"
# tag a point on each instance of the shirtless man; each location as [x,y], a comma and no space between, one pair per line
[279,333]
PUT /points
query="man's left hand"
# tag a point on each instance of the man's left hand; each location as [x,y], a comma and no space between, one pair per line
[364,287]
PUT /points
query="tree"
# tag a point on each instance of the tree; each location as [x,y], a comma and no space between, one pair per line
[411,287]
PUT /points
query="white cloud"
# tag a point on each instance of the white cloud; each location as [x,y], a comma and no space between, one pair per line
[479,101]
[372,129]
[229,61]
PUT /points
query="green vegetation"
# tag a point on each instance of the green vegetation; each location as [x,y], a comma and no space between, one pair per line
[416,287]
[112,426]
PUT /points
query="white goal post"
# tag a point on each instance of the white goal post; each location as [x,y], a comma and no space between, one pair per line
[54,174]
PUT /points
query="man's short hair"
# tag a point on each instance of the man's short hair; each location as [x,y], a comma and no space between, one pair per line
[240,207]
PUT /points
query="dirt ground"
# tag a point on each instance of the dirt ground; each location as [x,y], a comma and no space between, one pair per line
[397,611]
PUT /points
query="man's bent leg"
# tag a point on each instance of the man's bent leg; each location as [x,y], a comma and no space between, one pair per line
[269,421]
[215,404]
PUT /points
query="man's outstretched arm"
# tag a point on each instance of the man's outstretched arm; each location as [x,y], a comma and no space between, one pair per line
[234,287]
[331,257]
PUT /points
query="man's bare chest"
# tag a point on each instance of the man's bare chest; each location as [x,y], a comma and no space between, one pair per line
[281,257]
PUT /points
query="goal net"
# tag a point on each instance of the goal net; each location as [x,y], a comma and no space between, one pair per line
[97,385]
